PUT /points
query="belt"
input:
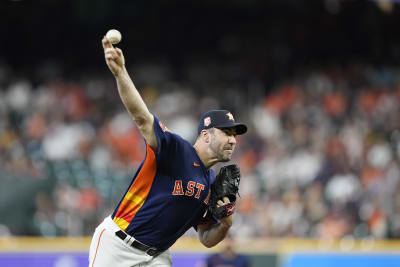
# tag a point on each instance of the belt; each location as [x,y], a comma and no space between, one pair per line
[152,251]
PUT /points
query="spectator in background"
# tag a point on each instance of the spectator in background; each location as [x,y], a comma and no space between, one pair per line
[228,257]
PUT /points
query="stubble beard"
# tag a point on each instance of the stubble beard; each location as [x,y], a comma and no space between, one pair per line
[223,155]
[220,152]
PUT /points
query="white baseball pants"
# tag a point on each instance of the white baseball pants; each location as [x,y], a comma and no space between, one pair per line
[108,250]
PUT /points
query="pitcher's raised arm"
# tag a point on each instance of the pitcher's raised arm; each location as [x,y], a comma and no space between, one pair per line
[129,95]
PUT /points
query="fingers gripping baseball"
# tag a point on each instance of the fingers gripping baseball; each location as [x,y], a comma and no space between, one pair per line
[114,57]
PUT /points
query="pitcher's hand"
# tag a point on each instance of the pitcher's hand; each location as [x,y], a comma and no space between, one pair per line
[114,57]
[227,221]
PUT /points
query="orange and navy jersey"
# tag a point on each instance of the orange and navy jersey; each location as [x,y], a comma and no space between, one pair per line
[168,194]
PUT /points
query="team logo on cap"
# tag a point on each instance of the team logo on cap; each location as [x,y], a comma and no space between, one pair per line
[230,116]
[207,121]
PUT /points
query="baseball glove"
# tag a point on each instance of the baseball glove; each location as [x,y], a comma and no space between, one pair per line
[226,185]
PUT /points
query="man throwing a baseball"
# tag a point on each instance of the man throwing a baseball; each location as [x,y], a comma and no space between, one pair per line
[172,189]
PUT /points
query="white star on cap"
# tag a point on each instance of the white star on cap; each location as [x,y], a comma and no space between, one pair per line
[230,116]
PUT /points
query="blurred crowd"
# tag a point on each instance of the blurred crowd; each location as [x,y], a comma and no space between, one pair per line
[320,160]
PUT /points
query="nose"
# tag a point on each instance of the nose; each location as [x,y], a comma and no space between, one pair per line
[232,140]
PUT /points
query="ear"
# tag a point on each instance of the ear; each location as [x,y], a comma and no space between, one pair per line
[206,136]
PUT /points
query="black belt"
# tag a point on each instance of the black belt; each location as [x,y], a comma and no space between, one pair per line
[152,251]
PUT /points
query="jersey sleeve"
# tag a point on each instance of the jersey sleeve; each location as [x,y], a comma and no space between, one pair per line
[168,142]
[208,219]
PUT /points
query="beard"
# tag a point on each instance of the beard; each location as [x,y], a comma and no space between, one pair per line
[222,153]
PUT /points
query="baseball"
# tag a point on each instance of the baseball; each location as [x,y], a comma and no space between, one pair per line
[114,36]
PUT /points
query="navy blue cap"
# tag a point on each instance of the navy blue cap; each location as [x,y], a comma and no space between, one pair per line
[220,119]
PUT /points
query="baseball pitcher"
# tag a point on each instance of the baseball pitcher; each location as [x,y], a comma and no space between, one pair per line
[174,188]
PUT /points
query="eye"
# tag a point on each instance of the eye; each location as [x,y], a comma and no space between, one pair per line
[230,132]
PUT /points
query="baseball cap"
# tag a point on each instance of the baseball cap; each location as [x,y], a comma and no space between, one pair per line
[220,119]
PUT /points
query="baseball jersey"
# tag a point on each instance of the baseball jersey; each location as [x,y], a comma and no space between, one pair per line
[168,194]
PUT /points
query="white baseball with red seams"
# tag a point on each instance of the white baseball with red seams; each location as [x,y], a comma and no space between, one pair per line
[114,36]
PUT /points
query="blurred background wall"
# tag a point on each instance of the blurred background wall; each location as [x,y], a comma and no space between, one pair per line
[316,81]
